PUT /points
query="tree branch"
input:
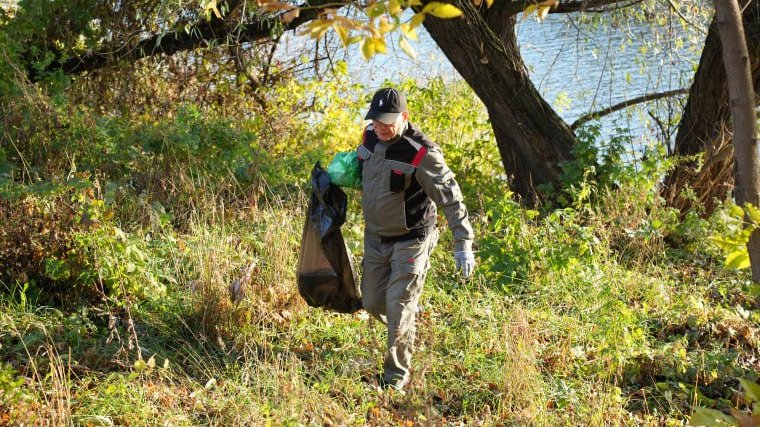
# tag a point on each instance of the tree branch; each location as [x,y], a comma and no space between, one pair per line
[684,18]
[201,34]
[625,104]
[514,7]
[593,5]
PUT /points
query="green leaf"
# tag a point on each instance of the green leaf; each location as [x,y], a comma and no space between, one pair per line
[738,259]
[375,10]
[441,10]
[751,389]
[96,420]
[710,418]
[140,365]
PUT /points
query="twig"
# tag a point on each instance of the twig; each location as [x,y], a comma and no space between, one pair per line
[665,133]
[685,19]
[625,104]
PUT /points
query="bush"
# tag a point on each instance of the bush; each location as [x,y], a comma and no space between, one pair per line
[60,237]
[37,223]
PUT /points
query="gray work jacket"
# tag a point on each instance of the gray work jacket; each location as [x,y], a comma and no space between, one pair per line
[402,182]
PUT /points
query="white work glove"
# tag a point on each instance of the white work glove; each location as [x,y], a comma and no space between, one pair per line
[465,261]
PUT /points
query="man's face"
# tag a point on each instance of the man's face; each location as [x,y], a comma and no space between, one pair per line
[386,132]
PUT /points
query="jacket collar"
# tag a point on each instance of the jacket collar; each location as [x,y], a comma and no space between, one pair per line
[400,135]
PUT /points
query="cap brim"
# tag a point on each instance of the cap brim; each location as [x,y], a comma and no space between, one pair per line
[387,118]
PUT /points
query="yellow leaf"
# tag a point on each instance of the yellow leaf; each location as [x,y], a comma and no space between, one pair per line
[407,48]
[416,20]
[489,3]
[349,24]
[342,33]
[368,48]
[753,213]
[354,39]
[211,6]
[317,28]
[736,212]
[275,6]
[394,7]
[384,26]
[375,10]
[528,10]
[408,31]
[542,12]
[414,3]
[289,16]
[723,243]
[441,10]
[379,43]
[738,259]
[551,3]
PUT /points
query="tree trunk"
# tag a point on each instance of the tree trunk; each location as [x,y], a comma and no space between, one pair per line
[742,104]
[533,140]
[704,128]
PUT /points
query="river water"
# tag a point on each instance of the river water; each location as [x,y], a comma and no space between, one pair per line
[577,68]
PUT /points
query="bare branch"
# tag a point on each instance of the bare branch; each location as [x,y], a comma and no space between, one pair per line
[514,7]
[625,104]
[685,19]
[593,5]
[204,33]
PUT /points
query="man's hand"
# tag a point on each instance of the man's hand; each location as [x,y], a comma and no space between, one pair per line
[465,261]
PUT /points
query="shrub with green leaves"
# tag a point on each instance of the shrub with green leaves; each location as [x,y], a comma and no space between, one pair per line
[706,417]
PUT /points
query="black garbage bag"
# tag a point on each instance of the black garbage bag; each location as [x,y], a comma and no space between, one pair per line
[326,274]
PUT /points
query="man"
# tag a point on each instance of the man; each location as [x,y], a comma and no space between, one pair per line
[404,177]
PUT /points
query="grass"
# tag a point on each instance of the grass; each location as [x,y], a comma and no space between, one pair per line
[611,312]
[588,339]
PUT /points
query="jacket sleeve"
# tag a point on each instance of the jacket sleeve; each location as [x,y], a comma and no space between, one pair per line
[438,182]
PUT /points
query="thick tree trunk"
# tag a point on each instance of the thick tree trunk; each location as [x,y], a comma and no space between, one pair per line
[705,129]
[533,140]
[742,103]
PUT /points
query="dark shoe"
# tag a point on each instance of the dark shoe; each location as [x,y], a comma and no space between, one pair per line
[396,384]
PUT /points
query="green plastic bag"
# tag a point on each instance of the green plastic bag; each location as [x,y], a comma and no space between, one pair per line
[344,170]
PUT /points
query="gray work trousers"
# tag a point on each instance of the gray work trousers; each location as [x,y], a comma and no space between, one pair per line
[392,280]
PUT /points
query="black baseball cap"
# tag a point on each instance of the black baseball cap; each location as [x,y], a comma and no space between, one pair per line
[386,105]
